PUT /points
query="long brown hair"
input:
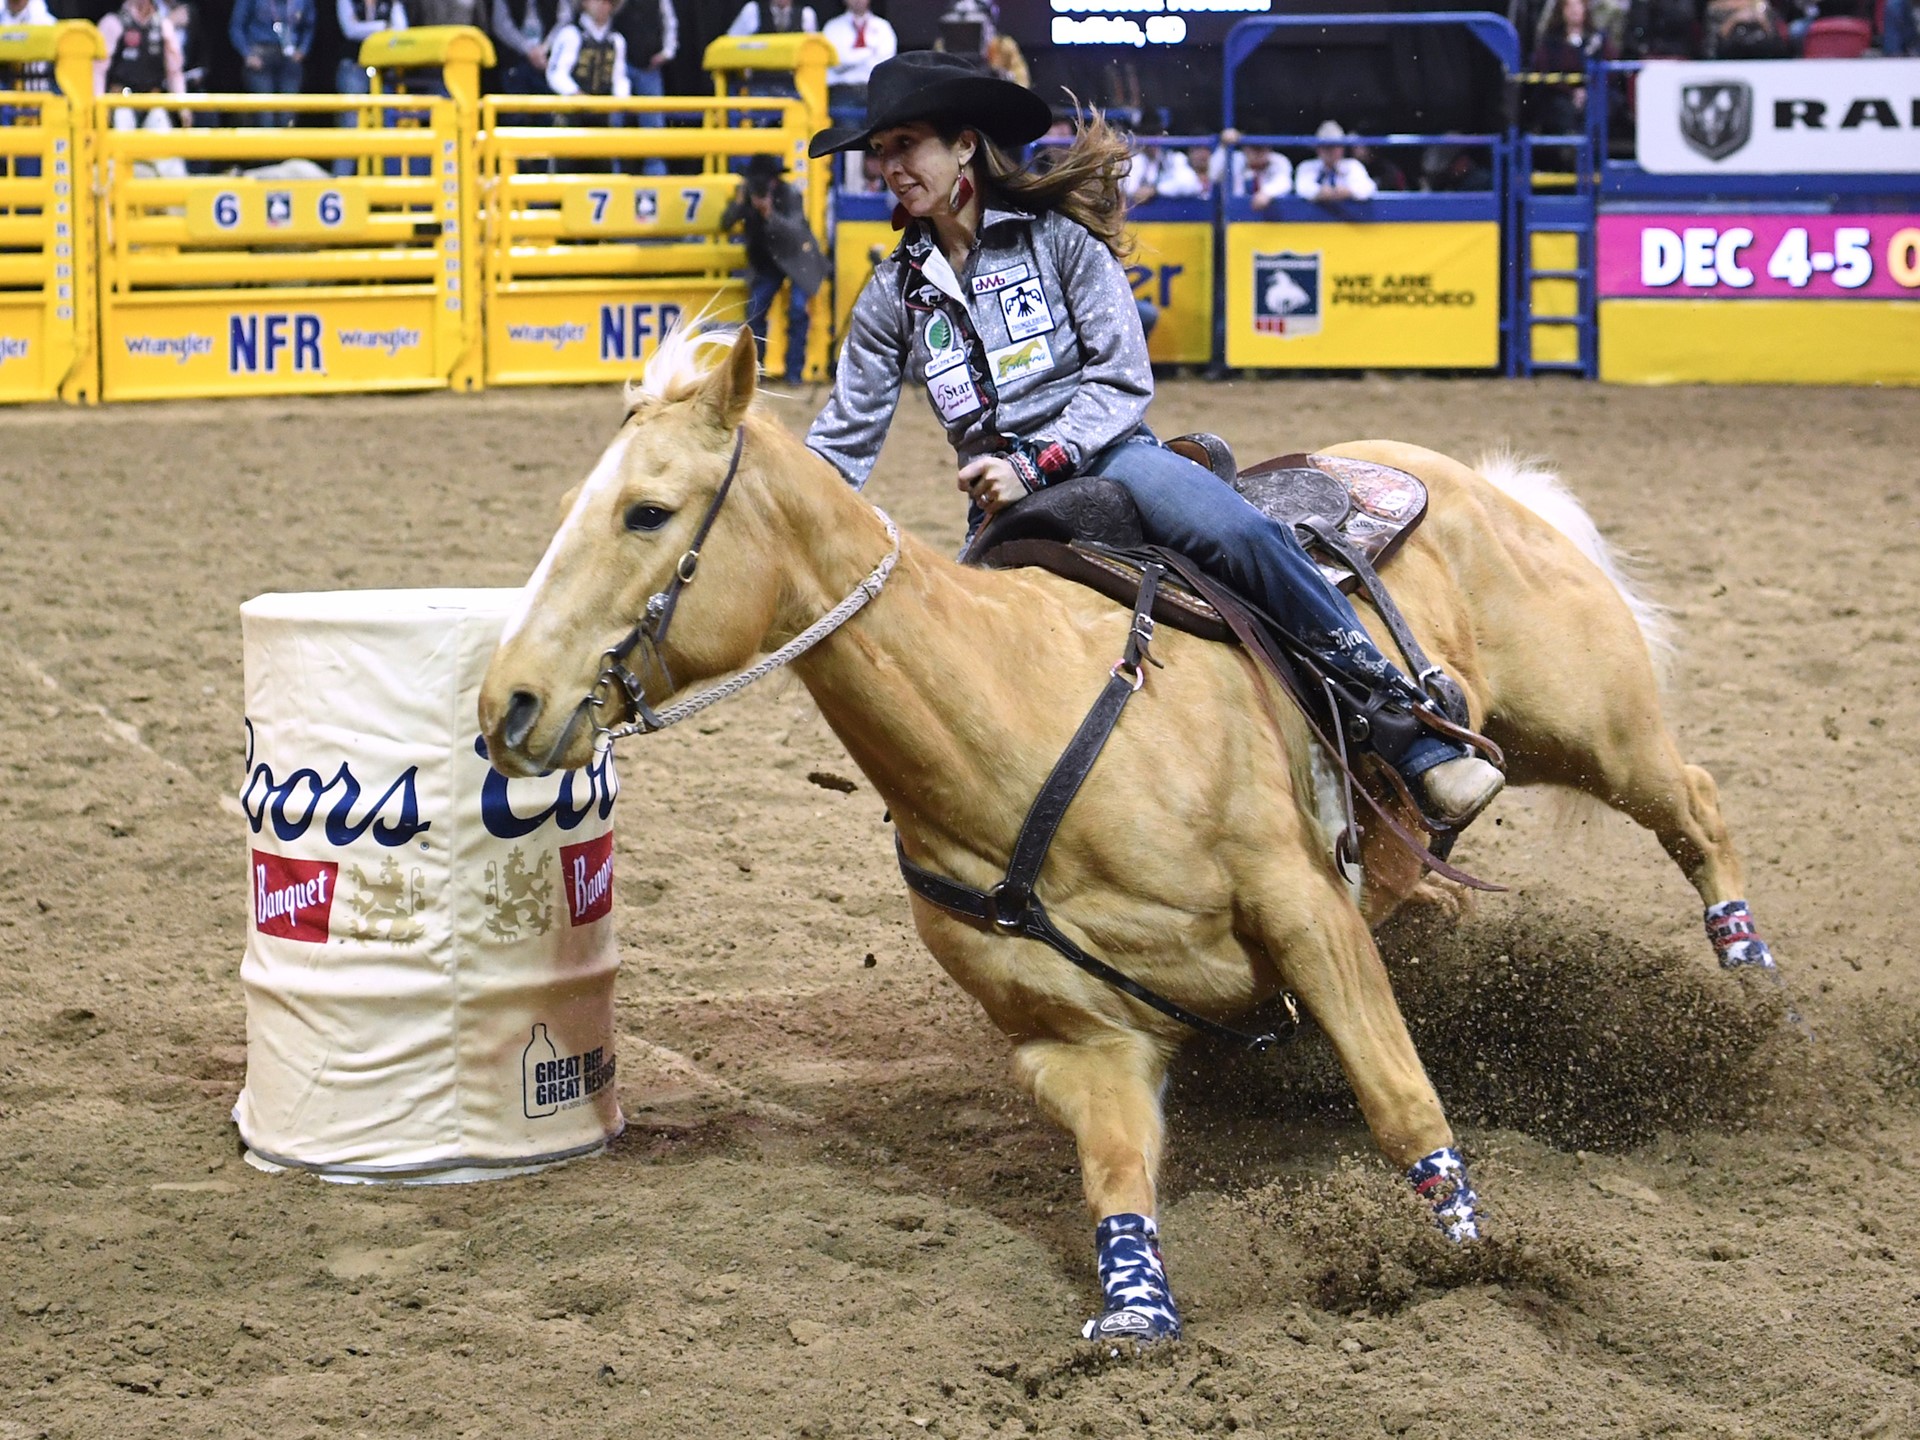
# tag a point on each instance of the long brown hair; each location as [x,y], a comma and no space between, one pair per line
[1082,182]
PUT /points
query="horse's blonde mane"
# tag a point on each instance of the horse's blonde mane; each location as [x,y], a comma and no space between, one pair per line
[686,355]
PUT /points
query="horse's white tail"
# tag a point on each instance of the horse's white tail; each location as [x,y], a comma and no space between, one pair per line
[1544,493]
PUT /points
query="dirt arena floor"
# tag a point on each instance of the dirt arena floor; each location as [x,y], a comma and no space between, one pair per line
[832,1214]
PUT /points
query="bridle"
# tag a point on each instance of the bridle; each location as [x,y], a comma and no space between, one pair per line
[649,634]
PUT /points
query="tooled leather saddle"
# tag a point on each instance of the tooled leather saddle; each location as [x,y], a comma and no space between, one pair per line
[1350,515]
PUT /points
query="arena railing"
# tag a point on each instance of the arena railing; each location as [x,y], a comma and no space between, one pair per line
[273,275]
[587,259]
[47,279]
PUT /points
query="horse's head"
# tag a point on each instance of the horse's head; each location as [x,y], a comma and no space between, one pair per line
[629,537]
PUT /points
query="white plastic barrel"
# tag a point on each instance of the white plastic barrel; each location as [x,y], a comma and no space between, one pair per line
[430,954]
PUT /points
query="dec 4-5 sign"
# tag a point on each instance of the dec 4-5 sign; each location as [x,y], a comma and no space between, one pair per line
[1760,256]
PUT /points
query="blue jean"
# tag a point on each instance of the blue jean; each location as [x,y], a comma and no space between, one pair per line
[761,290]
[349,78]
[648,83]
[1188,509]
[278,74]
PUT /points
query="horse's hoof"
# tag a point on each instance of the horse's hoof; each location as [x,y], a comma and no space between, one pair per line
[1441,1180]
[1127,1323]
[1735,938]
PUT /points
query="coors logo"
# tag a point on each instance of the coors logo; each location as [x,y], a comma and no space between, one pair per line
[588,868]
[293,899]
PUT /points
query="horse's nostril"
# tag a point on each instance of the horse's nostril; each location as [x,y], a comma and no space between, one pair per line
[523,709]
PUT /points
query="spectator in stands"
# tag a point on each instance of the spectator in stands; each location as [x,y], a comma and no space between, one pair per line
[1179,174]
[1746,30]
[1567,45]
[1332,176]
[524,31]
[358,20]
[861,40]
[272,38]
[1662,30]
[589,56]
[1255,171]
[781,250]
[1006,61]
[1449,168]
[1380,164]
[651,30]
[143,58]
[774,17]
[193,45]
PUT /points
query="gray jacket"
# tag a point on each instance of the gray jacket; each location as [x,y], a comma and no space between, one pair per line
[1057,317]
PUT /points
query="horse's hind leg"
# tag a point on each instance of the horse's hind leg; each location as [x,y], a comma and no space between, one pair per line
[1107,1094]
[1612,743]
[1327,957]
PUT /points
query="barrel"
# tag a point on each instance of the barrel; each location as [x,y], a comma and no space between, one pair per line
[430,959]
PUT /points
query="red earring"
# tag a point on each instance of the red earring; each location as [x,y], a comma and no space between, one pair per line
[961,193]
[900,217]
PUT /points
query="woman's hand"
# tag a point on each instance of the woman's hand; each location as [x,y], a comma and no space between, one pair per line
[991,483]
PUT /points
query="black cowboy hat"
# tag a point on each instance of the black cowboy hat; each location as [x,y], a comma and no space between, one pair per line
[934,85]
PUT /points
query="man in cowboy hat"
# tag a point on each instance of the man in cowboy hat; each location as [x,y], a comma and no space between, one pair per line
[1332,175]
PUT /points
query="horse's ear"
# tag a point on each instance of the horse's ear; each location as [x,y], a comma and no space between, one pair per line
[566,502]
[728,390]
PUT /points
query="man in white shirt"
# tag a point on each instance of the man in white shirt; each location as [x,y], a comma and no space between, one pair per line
[1182,174]
[588,56]
[1259,172]
[1333,175]
[862,40]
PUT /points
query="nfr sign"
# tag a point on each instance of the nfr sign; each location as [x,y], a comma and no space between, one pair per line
[274,342]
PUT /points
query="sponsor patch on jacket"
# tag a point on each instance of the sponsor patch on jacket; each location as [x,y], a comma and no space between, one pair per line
[945,349]
[1023,357]
[1024,304]
[954,394]
[1000,279]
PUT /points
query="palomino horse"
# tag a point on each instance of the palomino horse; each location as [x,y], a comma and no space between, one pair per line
[1192,859]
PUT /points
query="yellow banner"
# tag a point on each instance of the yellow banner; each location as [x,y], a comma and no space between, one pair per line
[1172,269]
[292,344]
[1760,342]
[23,351]
[256,210]
[1355,296]
[549,337]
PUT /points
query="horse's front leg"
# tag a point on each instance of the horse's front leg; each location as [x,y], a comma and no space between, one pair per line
[1107,1093]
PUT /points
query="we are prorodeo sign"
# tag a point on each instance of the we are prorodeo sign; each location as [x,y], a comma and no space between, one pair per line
[1810,117]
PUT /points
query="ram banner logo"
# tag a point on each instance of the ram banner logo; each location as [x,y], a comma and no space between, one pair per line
[1717,120]
[1286,293]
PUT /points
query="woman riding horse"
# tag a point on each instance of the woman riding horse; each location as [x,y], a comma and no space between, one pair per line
[1007,301]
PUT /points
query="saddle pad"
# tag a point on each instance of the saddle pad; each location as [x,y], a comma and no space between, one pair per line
[1375,507]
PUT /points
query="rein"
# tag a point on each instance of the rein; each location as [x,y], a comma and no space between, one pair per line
[649,633]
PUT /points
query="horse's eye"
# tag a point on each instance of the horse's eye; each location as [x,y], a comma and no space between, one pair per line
[647,517]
